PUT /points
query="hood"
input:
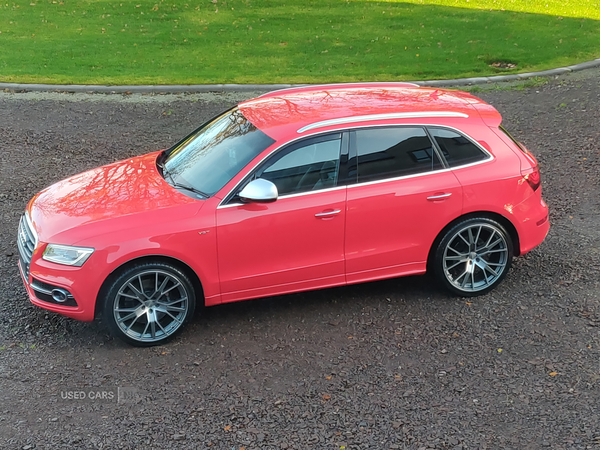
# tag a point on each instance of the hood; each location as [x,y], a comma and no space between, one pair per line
[78,207]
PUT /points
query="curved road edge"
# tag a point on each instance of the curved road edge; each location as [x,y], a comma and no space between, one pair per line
[198,88]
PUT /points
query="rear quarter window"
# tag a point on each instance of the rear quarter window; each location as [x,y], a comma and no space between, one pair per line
[458,150]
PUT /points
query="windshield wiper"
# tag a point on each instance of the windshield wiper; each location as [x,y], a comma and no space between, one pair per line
[185,186]
[189,188]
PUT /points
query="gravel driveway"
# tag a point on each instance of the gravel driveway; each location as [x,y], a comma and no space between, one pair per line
[392,364]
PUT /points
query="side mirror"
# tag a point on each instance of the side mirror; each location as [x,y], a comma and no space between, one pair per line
[259,191]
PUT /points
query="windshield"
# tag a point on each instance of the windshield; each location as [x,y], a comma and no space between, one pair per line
[210,157]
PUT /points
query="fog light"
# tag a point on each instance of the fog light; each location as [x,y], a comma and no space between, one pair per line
[59,295]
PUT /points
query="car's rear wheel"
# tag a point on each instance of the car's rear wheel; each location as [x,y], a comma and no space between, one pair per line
[473,256]
[149,303]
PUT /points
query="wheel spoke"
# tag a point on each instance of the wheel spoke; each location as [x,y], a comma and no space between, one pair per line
[141,285]
[487,252]
[489,269]
[166,308]
[458,263]
[457,257]
[495,264]
[135,297]
[172,302]
[176,319]
[486,280]
[170,289]
[137,291]
[464,281]
[487,244]
[477,237]
[458,254]
[496,242]
[137,312]
[126,309]
[174,308]
[152,326]
[485,266]
[133,321]
[161,289]
[461,236]
[161,327]
[471,239]
[145,329]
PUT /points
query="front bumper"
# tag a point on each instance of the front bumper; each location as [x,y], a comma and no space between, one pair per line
[79,304]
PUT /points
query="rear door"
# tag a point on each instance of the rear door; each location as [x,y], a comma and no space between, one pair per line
[402,199]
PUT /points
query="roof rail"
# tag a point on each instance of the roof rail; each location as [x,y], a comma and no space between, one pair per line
[387,116]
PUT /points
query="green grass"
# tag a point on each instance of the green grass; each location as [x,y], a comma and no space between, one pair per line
[261,41]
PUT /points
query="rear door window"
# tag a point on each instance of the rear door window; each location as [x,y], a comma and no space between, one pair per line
[392,152]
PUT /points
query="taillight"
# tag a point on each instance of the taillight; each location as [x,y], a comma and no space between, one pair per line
[533,178]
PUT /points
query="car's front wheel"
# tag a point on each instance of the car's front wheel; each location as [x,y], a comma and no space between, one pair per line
[473,256]
[149,303]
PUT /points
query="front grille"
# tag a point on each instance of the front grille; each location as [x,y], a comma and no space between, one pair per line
[26,241]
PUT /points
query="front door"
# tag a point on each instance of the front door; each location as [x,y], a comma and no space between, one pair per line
[294,243]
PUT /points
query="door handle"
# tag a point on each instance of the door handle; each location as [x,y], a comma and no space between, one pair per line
[328,213]
[440,196]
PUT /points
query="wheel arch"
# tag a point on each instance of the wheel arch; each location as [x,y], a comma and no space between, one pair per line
[507,224]
[193,276]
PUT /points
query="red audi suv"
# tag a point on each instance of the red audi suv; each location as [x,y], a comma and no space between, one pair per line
[299,189]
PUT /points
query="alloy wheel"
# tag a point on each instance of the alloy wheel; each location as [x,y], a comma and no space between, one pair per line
[476,257]
[151,305]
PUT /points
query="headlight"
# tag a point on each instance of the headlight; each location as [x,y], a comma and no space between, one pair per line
[65,254]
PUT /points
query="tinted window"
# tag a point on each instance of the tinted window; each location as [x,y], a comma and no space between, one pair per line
[306,168]
[393,152]
[214,154]
[457,149]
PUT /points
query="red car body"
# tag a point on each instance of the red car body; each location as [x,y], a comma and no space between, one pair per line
[349,233]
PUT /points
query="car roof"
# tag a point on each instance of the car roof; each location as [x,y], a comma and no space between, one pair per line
[304,110]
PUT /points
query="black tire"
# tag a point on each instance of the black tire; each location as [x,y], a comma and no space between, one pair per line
[149,303]
[473,257]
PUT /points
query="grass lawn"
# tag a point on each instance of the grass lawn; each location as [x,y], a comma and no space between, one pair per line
[289,41]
